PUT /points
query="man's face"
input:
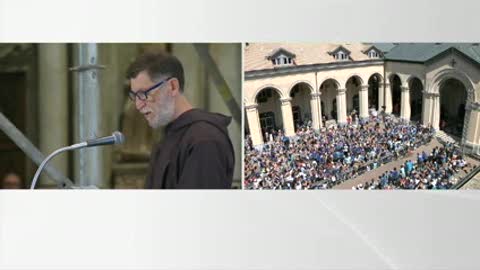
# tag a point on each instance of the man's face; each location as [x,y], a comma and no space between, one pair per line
[12,181]
[159,107]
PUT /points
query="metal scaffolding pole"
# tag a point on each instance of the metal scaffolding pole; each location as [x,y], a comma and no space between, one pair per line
[88,161]
[32,152]
[219,81]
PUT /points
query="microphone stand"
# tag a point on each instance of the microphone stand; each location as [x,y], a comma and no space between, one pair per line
[116,138]
[56,152]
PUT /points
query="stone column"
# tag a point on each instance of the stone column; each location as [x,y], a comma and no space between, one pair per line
[316,107]
[405,110]
[427,108]
[471,128]
[254,124]
[341,106]
[381,92]
[53,104]
[435,111]
[287,117]
[363,93]
[388,99]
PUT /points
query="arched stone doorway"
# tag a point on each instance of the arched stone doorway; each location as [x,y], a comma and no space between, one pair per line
[329,89]
[301,110]
[353,86]
[416,99]
[373,91]
[453,99]
[396,87]
[269,110]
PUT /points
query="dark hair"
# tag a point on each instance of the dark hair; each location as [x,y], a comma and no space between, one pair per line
[157,64]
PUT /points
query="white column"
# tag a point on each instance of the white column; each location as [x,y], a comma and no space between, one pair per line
[436,111]
[381,91]
[388,98]
[471,132]
[254,124]
[341,106]
[427,109]
[405,110]
[316,107]
[363,93]
[287,116]
[53,104]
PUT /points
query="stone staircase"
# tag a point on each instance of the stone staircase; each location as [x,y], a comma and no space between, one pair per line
[444,137]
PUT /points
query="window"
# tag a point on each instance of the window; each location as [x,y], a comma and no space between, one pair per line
[341,56]
[282,60]
[372,54]
[281,57]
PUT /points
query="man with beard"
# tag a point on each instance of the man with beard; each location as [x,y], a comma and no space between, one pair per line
[196,151]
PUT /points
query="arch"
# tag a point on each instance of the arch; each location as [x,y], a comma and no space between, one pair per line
[255,94]
[356,76]
[329,98]
[311,88]
[396,85]
[440,78]
[375,92]
[352,86]
[269,109]
[452,106]
[337,84]
[451,73]
[413,77]
[380,77]
[416,88]
[300,94]
[391,78]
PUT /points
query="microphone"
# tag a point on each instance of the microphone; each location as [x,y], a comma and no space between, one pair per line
[116,138]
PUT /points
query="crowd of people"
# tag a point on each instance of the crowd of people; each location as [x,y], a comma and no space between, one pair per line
[321,160]
[436,170]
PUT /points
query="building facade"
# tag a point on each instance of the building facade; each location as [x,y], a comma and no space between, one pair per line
[287,85]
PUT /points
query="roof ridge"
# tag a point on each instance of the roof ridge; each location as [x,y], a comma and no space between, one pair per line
[474,51]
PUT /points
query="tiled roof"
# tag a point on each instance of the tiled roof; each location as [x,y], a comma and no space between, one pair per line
[306,53]
[318,53]
[422,52]
[385,47]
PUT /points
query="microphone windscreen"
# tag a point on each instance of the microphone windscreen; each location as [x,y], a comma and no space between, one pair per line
[119,138]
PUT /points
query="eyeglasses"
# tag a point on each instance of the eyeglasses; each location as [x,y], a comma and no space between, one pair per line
[143,95]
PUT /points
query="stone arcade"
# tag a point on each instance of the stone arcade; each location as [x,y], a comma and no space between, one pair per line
[435,83]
